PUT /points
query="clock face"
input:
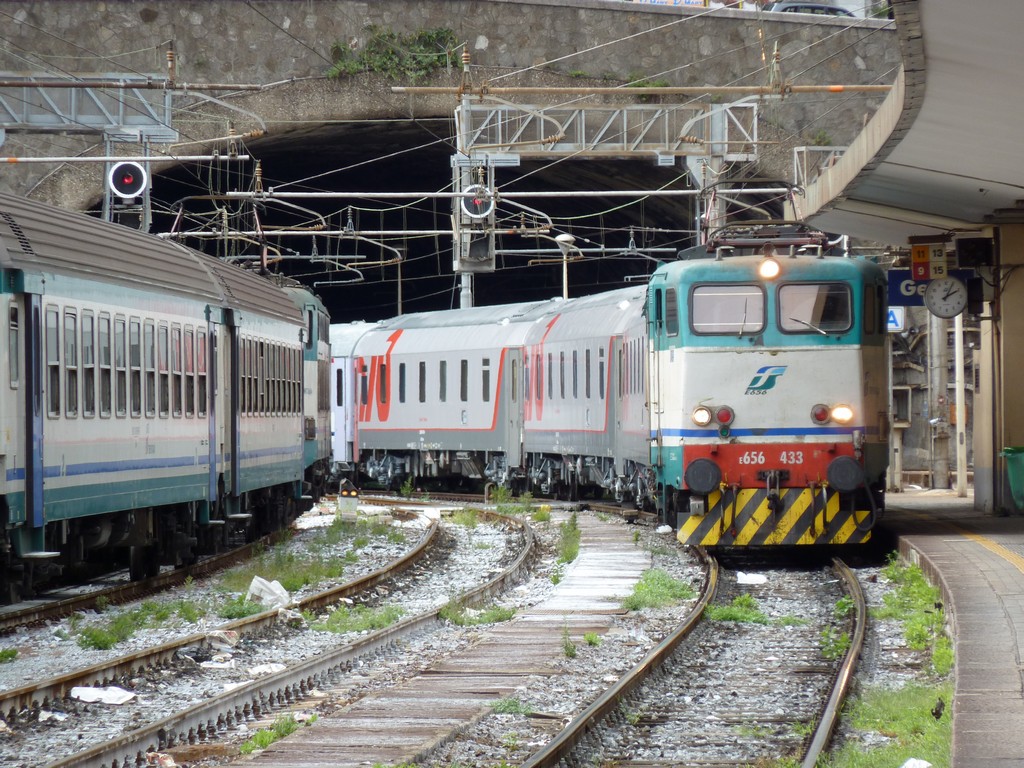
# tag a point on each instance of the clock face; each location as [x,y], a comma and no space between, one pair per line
[946,297]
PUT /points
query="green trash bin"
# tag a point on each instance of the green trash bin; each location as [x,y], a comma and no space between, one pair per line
[1015,471]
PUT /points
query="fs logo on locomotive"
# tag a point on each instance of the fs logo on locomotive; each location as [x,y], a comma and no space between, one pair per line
[764,379]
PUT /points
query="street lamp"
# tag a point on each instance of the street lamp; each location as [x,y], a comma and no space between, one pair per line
[566,243]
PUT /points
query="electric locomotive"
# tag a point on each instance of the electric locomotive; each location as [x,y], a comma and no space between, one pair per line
[157,403]
[769,391]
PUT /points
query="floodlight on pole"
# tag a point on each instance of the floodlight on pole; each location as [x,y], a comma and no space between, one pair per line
[566,243]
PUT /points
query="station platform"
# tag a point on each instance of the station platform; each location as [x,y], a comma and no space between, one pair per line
[978,562]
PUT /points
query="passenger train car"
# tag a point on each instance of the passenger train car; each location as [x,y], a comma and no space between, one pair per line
[158,403]
[747,408]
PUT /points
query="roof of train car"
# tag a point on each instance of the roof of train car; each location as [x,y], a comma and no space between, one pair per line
[344,336]
[599,314]
[35,237]
[468,316]
[801,267]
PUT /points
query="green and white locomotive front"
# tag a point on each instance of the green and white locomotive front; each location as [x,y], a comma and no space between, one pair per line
[769,399]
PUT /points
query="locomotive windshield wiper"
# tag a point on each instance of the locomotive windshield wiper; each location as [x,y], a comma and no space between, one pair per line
[743,322]
[812,326]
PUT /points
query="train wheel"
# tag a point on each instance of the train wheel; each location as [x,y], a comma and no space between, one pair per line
[143,562]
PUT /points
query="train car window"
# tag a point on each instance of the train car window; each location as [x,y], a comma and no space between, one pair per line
[464,380]
[526,378]
[622,371]
[261,377]
[13,347]
[551,377]
[815,308]
[252,377]
[297,380]
[309,328]
[575,375]
[401,382]
[164,380]
[600,373]
[515,381]
[70,363]
[190,372]
[561,375]
[538,368]
[364,385]
[339,388]
[120,369]
[671,312]
[275,378]
[323,377]
[201,372]
[586,373]
[52,361]
[870,316]
[382,383]
[727,309]
[106,366]
[135,365]
[659,313]
[423,382]
[485,380]
[288,389]
[88,364]
[176,374]
[149,359]
[243,377]
[443,381]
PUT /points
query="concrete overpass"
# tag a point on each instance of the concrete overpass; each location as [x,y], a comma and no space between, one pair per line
[942,156]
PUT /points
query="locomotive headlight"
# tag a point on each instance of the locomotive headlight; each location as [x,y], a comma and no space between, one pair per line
[701,416]
[724,415]
[768,269]
[842,413]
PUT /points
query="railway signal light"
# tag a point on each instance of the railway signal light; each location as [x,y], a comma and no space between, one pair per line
[127,180]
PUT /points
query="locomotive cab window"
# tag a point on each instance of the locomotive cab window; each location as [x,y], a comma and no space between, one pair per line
[820,308]
[727,309]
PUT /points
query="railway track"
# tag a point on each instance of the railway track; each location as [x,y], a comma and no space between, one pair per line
[53,604]
[682,705]
[200,722]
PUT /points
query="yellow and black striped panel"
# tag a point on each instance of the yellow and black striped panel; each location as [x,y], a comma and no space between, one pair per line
[743,519]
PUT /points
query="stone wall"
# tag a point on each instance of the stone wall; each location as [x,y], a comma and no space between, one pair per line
[289,42]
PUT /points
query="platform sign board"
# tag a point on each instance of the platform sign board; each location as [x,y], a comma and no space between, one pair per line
[896,320]
[928,261]
[907,291]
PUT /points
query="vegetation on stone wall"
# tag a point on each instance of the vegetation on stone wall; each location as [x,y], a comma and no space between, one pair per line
[396,56]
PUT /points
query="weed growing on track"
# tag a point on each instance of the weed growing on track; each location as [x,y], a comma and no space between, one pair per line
[8,655]
[263,738]
[359,618]
[656,589]
[743,609]
[461,616]
[511,706]
[569,540]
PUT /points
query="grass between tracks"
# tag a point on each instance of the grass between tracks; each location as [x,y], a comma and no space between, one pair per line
[293,570]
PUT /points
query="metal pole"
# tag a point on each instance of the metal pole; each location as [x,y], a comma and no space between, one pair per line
[961,406]
[688,90]
[939,415]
